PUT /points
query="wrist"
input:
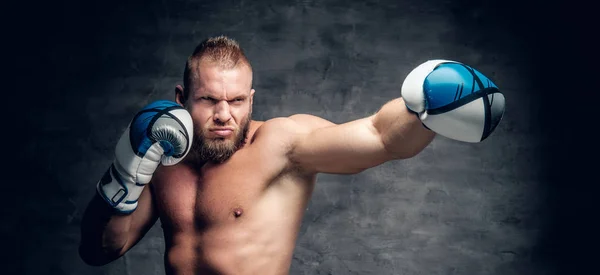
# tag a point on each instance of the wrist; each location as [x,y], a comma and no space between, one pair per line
[118,192]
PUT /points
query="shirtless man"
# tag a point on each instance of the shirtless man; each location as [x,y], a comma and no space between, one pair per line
[231,193]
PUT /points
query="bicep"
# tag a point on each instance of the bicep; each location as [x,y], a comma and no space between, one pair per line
[325,147]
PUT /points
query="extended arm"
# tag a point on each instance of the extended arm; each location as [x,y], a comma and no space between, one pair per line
[392,133]
[450,98]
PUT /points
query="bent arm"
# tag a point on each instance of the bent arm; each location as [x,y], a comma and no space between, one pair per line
[106,235]
[392,133]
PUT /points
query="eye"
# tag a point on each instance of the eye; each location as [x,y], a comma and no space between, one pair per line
[206,98]
[236,100]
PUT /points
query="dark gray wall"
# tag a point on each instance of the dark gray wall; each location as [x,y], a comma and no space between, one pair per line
[504,206]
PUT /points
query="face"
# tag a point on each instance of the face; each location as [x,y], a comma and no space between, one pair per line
[220,103]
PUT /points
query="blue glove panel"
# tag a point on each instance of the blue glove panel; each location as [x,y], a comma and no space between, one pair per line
[139,132]
[451,85]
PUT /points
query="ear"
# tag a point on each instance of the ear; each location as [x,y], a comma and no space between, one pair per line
[179,95]
[251,99]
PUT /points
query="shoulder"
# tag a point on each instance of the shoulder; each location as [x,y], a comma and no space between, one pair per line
[295,124]
[280,130]
[310,122]
[287,130]
[290,127]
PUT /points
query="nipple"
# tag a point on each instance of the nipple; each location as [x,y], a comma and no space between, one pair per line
[238,212]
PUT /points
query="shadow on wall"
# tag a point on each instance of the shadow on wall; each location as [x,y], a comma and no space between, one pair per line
[552,45]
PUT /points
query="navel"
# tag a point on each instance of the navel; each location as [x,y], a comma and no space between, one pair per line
[238,212]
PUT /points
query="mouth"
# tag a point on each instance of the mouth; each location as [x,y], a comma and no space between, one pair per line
[222,132]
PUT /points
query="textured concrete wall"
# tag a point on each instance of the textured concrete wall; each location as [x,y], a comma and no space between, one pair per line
[454,209]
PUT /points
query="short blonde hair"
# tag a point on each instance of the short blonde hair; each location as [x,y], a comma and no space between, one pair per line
[220,51]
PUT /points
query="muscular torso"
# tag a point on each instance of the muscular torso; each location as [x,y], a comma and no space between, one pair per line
[240,217]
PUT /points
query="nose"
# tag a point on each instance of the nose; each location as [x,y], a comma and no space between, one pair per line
[222,112]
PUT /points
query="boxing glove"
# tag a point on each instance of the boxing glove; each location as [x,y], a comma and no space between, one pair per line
[454,100]
[161,133]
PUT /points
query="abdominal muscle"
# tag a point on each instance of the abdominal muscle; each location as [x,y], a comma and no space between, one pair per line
[228,250]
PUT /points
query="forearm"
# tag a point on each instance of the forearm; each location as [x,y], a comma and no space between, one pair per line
[401,132]
[104,232]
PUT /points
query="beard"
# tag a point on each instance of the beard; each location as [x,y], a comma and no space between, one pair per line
[217,150]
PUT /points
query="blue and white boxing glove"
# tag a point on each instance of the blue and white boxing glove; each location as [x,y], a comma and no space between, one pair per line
[454,100]
[160,133]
